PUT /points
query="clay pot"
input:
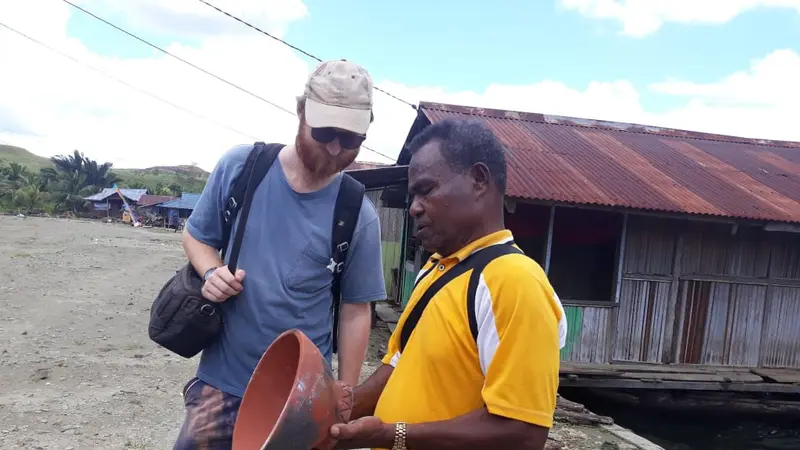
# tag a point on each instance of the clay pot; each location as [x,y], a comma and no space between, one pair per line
[291,401]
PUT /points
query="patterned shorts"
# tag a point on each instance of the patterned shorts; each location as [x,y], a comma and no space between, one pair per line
[210,417]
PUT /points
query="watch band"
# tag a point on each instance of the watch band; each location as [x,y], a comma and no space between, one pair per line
[399,436]
[208,273]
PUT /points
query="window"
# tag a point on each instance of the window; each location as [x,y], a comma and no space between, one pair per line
[529,225]
[583,257]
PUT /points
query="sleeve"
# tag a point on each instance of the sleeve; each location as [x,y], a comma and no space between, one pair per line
[518,343]
[363,280]
[392,349]
[205,223]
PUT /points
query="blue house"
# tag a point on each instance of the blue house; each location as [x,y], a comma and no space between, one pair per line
[108,203]
[180,208]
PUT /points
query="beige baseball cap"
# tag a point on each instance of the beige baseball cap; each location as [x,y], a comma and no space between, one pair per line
[339,94]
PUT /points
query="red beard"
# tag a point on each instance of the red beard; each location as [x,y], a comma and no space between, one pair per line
[319,162]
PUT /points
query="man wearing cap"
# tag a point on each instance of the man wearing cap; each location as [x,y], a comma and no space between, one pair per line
[284,281]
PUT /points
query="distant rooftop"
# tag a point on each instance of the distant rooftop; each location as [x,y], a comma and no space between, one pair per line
[150,200]
[130,194]
[186,201]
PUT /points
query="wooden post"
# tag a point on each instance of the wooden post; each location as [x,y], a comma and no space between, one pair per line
[673,319]
[767,295]
[549,245]
[613,314]
[621,257]
[403,243]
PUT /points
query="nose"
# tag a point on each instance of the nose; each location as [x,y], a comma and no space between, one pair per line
[334,148]
[415,209]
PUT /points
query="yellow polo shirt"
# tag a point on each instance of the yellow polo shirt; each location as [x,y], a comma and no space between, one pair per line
[512,368]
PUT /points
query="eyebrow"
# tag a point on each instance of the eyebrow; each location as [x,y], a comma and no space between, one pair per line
[417,184]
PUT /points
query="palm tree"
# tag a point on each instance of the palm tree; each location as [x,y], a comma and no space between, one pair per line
[95,174]
[72,191]
[48,177]
[30,199]
[6,192]
[17,175]
[99,174]
[69,163]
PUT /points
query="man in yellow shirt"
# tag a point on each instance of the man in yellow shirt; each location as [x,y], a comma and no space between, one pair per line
[473,363]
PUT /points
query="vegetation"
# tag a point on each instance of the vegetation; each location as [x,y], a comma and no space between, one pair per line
[10,154]
[164,180]
[31,184]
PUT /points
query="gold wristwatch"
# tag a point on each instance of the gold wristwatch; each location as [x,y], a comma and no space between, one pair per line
[399,436]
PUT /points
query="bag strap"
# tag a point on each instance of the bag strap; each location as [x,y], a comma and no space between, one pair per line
[259,161]
[486,256]
[434,262]
[475,262]
[236,197]
[345,216]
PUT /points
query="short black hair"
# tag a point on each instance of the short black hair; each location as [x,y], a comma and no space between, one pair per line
[463,143]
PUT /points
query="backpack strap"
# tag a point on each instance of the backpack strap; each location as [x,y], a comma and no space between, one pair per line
[236,196]
[434,263]
[345,216]
[475,262]
[255,170]
[482,259]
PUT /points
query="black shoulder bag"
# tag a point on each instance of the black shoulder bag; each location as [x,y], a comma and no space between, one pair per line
[181,319]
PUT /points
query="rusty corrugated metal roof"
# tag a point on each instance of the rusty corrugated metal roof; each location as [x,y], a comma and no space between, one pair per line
[361,165]
[150,200]
[592,162]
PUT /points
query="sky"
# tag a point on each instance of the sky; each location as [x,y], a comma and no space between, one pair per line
[719,66]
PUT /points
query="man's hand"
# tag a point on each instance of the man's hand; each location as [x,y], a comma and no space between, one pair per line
[222,285]
[366,432]
[346,400]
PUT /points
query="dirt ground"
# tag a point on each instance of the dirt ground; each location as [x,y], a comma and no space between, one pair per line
[77,369]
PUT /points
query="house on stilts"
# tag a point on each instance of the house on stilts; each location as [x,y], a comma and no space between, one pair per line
[676,254]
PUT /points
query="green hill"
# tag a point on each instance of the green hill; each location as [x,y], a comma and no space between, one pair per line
[11,154]
[189,178]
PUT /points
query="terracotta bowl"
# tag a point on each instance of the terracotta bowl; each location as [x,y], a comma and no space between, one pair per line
[291,400]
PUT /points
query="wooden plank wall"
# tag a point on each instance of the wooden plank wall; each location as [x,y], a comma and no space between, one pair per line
[703,293]
[586,334]
[642,331]
[391,220]
[697,293]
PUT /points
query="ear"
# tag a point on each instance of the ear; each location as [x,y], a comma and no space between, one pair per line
[481,177]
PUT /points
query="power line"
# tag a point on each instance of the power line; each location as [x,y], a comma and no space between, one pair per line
[175,56]
[124,82]
[244,22]
[195,66]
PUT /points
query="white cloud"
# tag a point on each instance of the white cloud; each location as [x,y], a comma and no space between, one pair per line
[194,19]
[52,105]
[68,105]
[643,17]
[762,102]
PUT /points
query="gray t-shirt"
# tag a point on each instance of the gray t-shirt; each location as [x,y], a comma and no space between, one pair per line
[285,253]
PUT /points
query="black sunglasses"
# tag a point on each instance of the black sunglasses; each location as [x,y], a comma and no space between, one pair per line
[347,139]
